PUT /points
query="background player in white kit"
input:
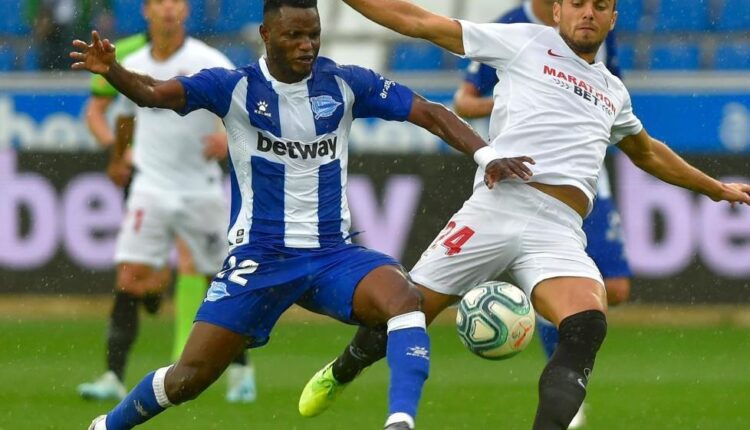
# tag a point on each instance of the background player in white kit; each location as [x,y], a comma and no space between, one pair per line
[177,191]
[563,110]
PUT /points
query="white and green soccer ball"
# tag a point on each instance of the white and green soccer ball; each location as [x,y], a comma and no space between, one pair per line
[495,320]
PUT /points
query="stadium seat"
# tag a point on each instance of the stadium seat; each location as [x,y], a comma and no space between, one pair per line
[351,23]
[12,20]
[196,23]
[733,56]
[442,7]
[734,15]
[29,59]
[626,55]
[128,17]
[238,53]
[416,56]
[371,54]
[681,15]
[327,11]
[675,56]
[486,10]
[629,15]
[7,58]
[235,14]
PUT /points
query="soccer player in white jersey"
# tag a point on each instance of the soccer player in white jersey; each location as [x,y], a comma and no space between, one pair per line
[604,236]
[177,190]
[288,118]
[554,103]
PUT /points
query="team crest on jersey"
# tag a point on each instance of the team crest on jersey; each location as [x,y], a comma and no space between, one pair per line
[323,106]
[262,109]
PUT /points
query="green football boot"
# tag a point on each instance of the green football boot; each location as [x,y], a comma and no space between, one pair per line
[320,392]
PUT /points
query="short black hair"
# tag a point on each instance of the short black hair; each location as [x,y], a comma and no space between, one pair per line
[274,5]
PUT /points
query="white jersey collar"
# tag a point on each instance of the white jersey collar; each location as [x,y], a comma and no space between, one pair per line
[278,84]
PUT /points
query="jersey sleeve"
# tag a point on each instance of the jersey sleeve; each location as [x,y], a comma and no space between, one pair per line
[482,76]
[496,44]
[209,89]
[378,97]
[626,123]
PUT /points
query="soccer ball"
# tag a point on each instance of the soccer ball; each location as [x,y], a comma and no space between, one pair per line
[495,320]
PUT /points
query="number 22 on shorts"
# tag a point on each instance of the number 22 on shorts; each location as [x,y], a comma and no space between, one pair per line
[453,239]
[236,271]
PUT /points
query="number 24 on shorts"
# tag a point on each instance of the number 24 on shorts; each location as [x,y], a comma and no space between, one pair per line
[236,271]
[453,239]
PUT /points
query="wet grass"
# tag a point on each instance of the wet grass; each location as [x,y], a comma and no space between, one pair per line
[646,378]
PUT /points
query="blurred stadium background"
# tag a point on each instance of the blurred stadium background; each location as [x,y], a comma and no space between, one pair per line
[677,354]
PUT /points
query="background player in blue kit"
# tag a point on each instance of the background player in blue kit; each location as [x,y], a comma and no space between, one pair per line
[473,99]
[288,118]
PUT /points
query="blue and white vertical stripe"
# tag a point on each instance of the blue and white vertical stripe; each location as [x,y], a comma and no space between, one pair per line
[288,146]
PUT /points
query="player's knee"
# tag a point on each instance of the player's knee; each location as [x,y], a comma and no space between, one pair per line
[584,331]
[409,300]
[187,382]
[127,281]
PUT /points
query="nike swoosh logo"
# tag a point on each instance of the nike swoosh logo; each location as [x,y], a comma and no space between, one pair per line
[552,54]
[581,383]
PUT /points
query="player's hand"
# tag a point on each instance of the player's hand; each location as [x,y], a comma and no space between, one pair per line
[96,57]
[507,168]
[215,146]
[119,172]
[733,193]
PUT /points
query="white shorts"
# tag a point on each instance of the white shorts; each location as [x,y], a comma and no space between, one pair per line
[514,229]
[153,221]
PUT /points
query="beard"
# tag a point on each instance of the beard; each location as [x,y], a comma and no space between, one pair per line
[582,47]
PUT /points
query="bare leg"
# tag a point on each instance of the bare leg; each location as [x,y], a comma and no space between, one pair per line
[208,352]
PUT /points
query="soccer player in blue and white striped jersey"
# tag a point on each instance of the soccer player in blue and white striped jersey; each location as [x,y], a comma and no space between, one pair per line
[287,118]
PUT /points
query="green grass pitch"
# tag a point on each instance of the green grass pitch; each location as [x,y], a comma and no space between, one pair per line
[645,378]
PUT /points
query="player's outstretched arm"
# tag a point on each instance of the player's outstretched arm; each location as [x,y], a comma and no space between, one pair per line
[443,123]
[659,160]
[99,57]
[413,21]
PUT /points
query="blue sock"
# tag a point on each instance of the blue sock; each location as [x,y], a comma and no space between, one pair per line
[548,335]
[408,357]
[144,402]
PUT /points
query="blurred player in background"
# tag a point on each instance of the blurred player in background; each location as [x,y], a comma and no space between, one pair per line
[176,192]
[474,99]
[556,103]
[288,118]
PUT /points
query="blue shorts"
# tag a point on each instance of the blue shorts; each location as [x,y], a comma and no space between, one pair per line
[258,285]
[606,247]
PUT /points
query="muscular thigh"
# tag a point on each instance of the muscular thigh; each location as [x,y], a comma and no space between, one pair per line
[558,298]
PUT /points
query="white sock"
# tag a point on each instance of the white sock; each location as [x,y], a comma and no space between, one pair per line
[159,390]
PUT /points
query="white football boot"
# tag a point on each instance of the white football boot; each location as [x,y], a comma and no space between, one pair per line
[107,387]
